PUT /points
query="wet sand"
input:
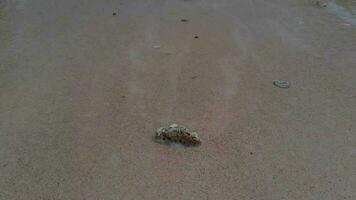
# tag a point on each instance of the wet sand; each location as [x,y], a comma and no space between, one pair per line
[82,92]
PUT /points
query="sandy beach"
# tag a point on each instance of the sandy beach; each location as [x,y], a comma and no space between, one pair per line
[84,84]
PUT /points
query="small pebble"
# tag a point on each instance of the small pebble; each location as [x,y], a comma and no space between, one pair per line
[281,84]
[321,3]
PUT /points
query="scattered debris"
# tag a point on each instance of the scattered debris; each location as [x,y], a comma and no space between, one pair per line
[196,37]
[281,84]
[321,3]
[184,20]
[123,96]
[194,77]
[178,134]
[114,13]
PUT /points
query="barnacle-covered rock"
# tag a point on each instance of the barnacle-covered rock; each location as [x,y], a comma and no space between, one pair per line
[177,133]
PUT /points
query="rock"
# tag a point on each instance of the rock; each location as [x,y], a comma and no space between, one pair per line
[178,134]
